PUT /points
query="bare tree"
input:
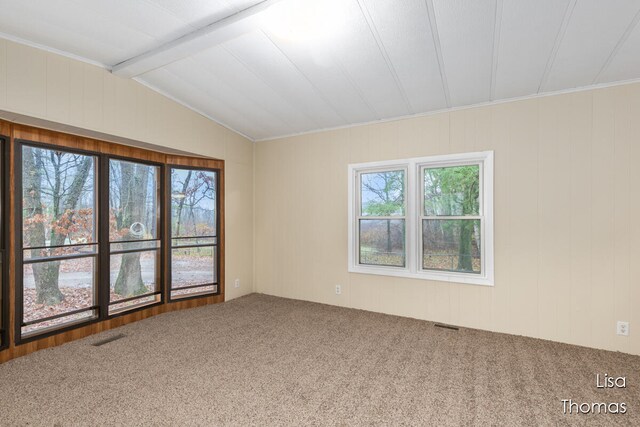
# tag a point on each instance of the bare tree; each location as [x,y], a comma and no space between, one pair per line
[181,201]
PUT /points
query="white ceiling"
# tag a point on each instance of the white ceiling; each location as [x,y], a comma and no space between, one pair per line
[292,66]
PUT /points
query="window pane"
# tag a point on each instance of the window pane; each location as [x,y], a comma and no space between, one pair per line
[58,193]
[452,191]
[193,266]
[451,245]
[382,242]
[133,274]
[133,201]
[128,305]
[193,291]
[193,203]
[382,193]
[55,287]
[59,322]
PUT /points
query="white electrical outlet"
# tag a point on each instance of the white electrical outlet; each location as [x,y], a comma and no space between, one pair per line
[623,328]
[236,284]
[338,289]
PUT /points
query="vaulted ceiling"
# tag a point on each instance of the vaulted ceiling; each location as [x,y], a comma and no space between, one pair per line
[273,68]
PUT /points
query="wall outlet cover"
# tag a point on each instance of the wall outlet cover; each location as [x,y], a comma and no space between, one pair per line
[622,328]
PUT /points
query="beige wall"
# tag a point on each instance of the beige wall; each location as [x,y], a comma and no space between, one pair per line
[567,205]
[50,87]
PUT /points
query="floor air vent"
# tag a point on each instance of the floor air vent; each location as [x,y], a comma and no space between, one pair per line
[440,325]
[108,340]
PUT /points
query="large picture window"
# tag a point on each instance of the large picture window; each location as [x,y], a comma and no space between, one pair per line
[59,246]
[102,230]
[134,235]
[194,255]
[427,218]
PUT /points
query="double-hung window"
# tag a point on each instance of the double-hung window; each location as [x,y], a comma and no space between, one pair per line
[382,217]
[428,218]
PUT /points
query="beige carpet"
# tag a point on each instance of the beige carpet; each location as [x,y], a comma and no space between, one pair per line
[261,360]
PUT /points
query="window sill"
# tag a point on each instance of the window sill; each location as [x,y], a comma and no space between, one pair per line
[466,279]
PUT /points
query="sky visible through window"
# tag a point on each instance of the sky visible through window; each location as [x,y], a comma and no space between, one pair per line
[382,193]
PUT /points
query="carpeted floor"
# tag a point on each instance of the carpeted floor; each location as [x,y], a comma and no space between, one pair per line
[262,360]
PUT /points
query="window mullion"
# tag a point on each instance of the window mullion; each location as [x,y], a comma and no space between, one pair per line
[103,238]
[410,223]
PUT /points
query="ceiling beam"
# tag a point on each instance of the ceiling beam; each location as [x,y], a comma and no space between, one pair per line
[196,41]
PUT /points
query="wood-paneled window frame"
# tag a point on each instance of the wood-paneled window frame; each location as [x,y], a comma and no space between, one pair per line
[104,243]
[423,218]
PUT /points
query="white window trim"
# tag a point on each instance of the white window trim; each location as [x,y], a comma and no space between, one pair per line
[413,244]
